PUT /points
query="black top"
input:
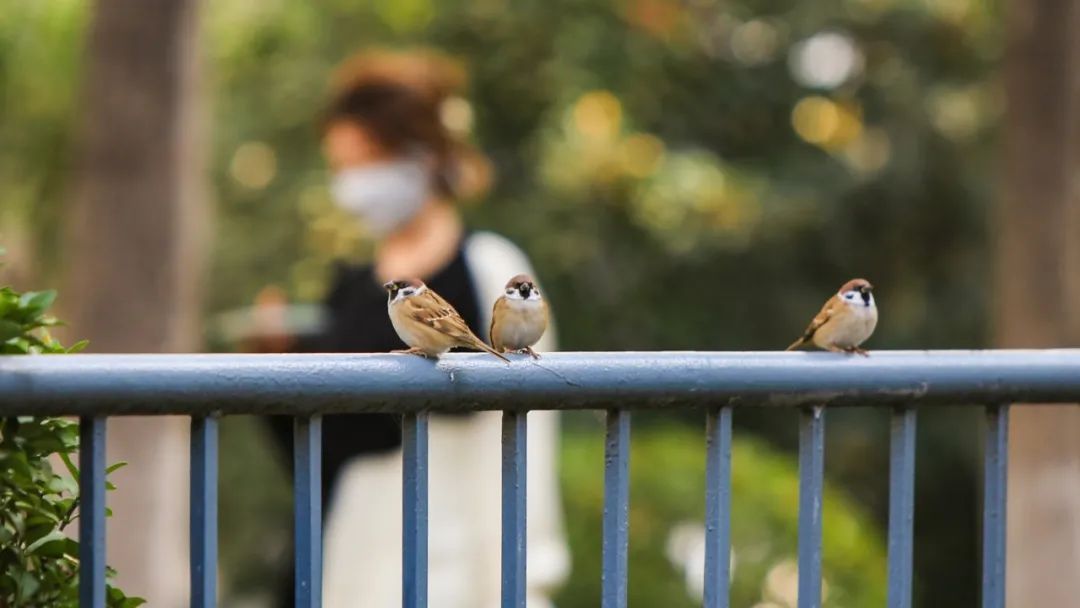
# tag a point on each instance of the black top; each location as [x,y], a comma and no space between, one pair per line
[358,323]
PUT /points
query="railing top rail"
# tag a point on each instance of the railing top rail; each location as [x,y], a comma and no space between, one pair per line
[305,384]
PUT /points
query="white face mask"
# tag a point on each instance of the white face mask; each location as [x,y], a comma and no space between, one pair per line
[383,196]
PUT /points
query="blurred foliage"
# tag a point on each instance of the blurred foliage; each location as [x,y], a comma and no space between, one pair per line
[693,174]
[39,564]
[667,489]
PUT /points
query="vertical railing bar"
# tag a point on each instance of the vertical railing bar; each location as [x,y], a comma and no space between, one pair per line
[307,509]
[514,484]
[996,467]
[718,507]
[92,512]
[203,511]
[616,509]
[414,579]
[811,480]
[901,505]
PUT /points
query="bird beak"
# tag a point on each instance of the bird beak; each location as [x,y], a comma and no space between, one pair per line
[524,289]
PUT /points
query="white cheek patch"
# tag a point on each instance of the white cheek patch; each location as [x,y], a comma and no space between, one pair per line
[854,298]
[514,294]
[406,292]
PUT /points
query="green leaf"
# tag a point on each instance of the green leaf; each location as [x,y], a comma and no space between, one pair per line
[77,347]
[37,302]
[19,467]
[16,346]
[28,586]
[9,330]
[51,537]
[72,469]
[115,466]
[114,595]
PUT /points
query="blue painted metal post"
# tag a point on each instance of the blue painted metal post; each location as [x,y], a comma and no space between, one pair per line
[203,511]
[92,512]
[414,580]
[718,507]
[901,505]
[616,509]
[996,466]
[514,484]
[811,480]
[307,509]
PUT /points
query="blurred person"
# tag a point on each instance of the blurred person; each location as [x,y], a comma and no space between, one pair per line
[399,170]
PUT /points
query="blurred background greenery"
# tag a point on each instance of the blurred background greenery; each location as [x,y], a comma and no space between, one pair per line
[693,174]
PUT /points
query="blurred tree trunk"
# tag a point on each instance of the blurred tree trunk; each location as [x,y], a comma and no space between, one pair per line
[1038,291]
[136,218]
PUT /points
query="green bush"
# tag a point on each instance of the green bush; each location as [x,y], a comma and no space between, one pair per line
[39,564]
[667,491]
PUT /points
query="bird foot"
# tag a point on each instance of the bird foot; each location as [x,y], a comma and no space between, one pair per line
[529,351]
[858,351]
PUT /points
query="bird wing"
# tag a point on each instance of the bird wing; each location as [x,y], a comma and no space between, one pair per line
[430,309]
[496,314]
[822,317]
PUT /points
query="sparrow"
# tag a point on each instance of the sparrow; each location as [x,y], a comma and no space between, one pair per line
[519,317]
[845,322]
[426,322]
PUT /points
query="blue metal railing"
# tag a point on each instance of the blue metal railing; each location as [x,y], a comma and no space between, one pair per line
[206,387]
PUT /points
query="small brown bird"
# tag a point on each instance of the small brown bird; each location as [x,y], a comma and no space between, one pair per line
[519,317]
[845,322]
[428,323]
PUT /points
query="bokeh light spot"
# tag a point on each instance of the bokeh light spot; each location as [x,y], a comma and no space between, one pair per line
[641,154]
[869,153]
[755,42]
[956,112]
[254,165]
[456,114]
[825,60]
[815,119]
[826,123]
[598,115]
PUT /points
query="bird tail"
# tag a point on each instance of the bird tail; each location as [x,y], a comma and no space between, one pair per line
[796,343]
[479,345]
